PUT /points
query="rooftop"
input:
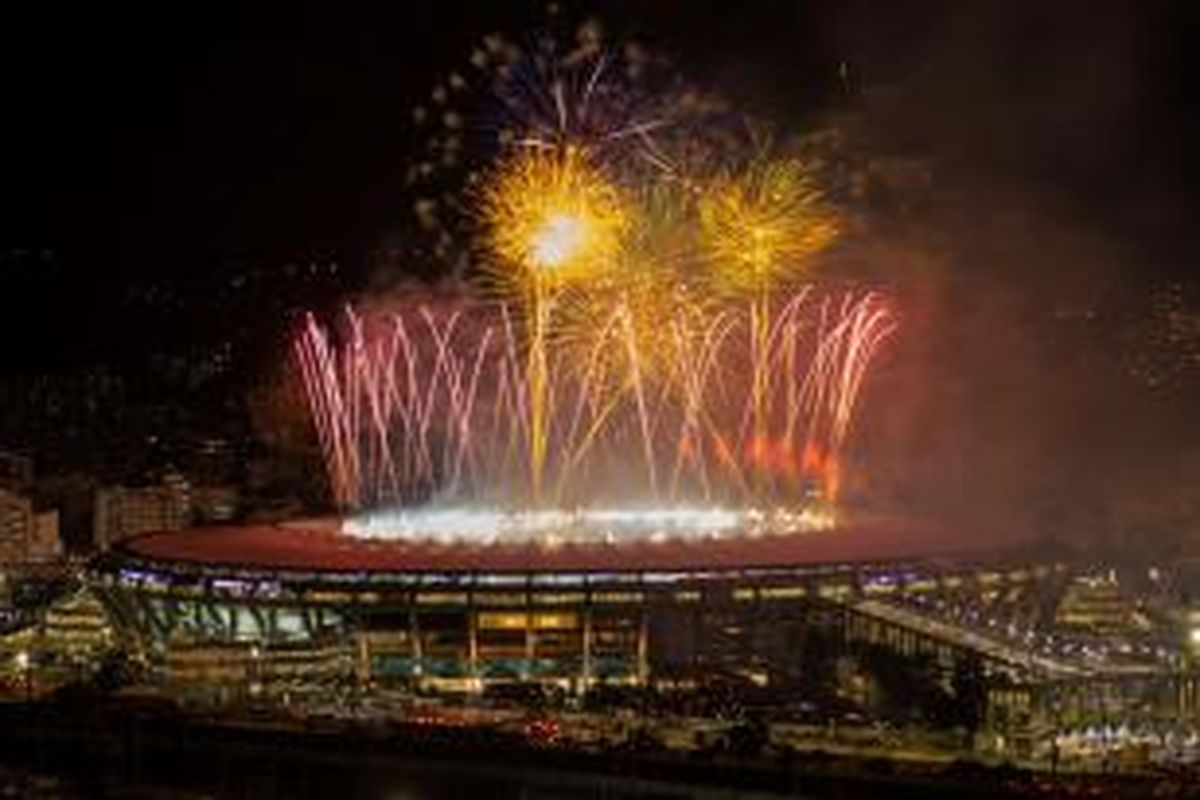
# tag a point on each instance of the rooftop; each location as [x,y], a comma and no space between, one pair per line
[315,545]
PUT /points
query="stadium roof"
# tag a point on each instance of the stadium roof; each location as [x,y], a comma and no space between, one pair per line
[317,545]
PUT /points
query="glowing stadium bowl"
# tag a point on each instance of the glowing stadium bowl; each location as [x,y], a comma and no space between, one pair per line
[556,527]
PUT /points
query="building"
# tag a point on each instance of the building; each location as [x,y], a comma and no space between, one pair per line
[16,526]
[63,643]
[26,535]
[46,543]
[213,504]
[75,626]
[121,512]
[1097,604]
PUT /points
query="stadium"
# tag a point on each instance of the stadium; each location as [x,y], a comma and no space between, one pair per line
[303,600]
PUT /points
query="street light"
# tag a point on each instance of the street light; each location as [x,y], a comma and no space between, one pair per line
[254,670]
[23,664]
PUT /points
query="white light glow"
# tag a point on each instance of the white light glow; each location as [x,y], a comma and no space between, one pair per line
[558,240]
[551,527]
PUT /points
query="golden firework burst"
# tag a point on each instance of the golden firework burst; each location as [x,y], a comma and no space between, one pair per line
[764,223]
[551,217]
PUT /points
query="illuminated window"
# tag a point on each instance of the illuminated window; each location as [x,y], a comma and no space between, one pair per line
[499,598]
[559,598]
[554,621]
[505,621]
[782,592]
[442,598]
[616,597]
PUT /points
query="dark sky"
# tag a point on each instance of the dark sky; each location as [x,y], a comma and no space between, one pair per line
[243,128]
[165,140]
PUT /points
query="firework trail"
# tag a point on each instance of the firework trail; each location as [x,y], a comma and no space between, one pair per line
[412,406]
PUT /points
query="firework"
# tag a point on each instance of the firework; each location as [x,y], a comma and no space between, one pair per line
[760,226]
[416,406]
[764,224]
[648,334]
[651,278]
[550,217]
[622,102]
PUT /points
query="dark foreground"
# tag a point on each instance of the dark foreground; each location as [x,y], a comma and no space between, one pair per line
[122,751]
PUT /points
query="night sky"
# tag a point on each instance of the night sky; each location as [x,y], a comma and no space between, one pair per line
[170,149]
[149,141]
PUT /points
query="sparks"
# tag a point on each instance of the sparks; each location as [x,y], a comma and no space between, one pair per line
[765,223]
[418,407]
[550,216]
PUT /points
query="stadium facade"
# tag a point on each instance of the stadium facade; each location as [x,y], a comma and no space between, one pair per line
[301,601]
